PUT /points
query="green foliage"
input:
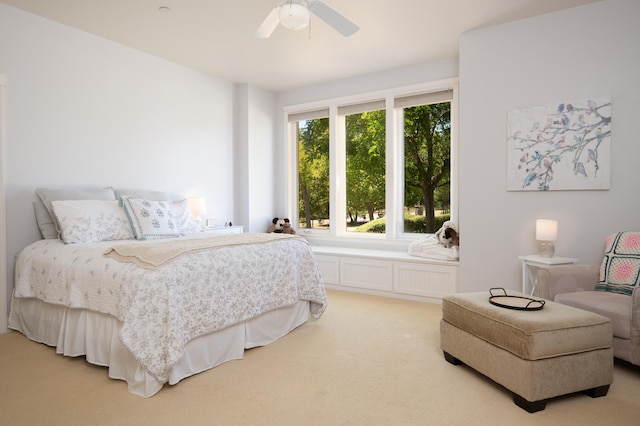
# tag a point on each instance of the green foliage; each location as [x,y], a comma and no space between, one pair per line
[313,171]
[427,157]
[413,223]
[378,226]
[365,155]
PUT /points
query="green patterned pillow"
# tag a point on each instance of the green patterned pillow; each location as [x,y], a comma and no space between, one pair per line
[150,220]
[620,268]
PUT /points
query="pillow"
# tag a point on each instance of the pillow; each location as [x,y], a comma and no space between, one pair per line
[141,193]
[185,222]
[45,222]
[91,221]
[49,227]
[150,219]
[620,268]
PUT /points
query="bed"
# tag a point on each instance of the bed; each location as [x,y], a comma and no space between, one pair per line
[157,309]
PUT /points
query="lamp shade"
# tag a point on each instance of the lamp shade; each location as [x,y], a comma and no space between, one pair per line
[294,16]
[198,206]
[546,230]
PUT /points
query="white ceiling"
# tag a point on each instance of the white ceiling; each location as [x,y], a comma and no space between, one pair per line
[217,37]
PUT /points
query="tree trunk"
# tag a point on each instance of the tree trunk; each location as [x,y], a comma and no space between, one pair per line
[430,218]
[306,201]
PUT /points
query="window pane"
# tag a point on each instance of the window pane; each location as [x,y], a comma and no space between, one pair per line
[427,167]
[313,173]
[365,157]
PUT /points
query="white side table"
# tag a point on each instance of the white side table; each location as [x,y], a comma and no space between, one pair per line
[532,262]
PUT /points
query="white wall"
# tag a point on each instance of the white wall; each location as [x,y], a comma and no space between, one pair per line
[84,111]
[254,157]
[407,76]
[575,54]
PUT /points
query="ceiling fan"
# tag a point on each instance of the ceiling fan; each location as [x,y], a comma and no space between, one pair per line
[295,15]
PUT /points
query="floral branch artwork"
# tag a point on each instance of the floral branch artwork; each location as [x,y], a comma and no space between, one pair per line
[564,146]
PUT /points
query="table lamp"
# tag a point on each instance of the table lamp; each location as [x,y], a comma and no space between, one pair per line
[198,207]
[546,234]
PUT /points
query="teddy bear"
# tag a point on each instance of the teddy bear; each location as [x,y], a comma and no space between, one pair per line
[281,226]
[448,235]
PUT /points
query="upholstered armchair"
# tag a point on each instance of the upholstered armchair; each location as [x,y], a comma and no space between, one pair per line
[610,289]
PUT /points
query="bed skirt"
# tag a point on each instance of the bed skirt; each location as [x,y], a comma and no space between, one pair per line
[77,332]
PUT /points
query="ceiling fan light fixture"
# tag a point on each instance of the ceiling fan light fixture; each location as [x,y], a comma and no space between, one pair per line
[294,16]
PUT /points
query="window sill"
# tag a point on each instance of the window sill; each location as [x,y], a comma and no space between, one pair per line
[357,242]
[393,250]
[391,255]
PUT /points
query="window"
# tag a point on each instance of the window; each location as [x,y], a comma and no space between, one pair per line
[311,136]
[426,141]
[365,163]
[380,166]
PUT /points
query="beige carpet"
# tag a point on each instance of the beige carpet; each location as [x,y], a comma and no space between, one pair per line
[367,361]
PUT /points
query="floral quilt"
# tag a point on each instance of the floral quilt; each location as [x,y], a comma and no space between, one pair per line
[193,294]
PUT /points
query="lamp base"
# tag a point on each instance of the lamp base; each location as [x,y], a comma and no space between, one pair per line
[546,249]
[199,221]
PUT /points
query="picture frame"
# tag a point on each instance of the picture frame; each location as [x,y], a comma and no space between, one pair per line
[560,146]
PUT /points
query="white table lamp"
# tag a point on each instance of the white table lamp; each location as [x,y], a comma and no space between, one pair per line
[546,234]
[198,207]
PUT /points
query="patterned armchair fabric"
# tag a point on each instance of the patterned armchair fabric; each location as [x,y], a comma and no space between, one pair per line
[610,289]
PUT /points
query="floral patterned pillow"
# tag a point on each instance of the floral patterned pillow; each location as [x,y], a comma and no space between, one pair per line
[183,218]
[620,268]
[150,220]
[90,221]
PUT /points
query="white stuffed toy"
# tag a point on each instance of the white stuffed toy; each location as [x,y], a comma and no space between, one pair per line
[448,234]
[443,245]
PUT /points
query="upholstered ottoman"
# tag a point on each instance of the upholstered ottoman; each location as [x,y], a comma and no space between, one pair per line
[536,355]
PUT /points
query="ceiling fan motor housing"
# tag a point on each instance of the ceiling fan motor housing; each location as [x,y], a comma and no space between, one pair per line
[294,16]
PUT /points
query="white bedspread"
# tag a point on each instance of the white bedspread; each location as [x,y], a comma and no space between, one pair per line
[164,308]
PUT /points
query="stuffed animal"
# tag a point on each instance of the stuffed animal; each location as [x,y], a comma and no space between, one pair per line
[447,235]
[281,226]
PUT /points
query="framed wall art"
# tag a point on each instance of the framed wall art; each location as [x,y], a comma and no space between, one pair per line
[562,146]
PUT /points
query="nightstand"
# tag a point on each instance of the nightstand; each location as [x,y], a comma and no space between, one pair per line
[225,230]
[532,262]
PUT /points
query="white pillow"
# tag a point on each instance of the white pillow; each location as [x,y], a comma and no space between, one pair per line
[185,222]
[149,219]
[141,193]
[49,228]
[90,221]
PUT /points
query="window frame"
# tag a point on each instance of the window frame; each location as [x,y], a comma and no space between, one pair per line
[394,198]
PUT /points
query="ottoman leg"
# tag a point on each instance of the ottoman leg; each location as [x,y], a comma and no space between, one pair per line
[597,392]
[528,406]
[452,359]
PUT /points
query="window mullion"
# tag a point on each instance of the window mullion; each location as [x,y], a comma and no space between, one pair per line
[453,208]
[337,159]
[392,169]
[292,178]
[400,175]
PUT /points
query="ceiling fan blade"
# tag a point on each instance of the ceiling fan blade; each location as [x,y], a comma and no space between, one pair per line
[333,18]
[269,24]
